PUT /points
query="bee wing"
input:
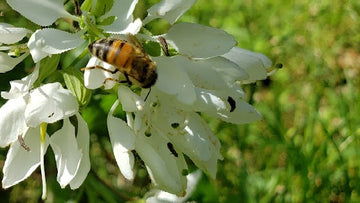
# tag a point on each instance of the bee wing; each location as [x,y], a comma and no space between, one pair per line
[133,40]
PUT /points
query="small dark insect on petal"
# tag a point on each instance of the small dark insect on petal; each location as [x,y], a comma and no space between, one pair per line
[148,133]
[172,150]
[51,115]
[164,45]
[22,143]
[175,125]
[232,103]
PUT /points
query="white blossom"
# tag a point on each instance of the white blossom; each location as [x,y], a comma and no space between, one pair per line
[204,77]
[8,36]
[20,120]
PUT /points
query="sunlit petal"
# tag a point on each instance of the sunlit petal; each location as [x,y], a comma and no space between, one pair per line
[7,62]
[20,88]
[165,197]
[67,154]
[82,139]
[169,10]
[41,12]
[10,34]
[95,77]
[20,163]
[122,139]
[173,79]
[199,143]
[12,121]
[199,41]
[122,10]
[50,41]
[130,101]
[164,168]
[255,64]
[50,103]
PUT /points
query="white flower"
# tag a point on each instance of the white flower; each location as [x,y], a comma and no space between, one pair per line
[46,42]
[204,77]
[23,117]
[10,35]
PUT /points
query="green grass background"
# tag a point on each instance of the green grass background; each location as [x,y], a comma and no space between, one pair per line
[307,147]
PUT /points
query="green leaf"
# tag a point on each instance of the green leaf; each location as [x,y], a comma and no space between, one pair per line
[152,48]
[98,9]
[75,83]
[102,7]
[86,5]
[107,21]
[48,66]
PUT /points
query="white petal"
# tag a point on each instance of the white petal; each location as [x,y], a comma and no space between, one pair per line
[130,101]
[12,121]
[7,62]
[118,28]
[49,41]
[41,12]
[20,163]
[255,64]
[122,139]
[164,168]
[243,113]
[67,153]
[167,113]
[208,101]
[199,41]
[123,23]
[228,70]
[216,104]
[10,34]
[20,88]
[82,139]
[95,77]
[169,10]
[50,103]
[173,80]
[162,196]
[199,143]
[204,73]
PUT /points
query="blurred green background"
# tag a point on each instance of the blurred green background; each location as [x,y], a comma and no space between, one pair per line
[307,147]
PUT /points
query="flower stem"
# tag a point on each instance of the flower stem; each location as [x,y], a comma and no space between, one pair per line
[43,127]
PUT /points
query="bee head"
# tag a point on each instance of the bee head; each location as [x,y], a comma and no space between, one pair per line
[90,47]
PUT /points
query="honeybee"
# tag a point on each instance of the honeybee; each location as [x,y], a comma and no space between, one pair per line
[128,58]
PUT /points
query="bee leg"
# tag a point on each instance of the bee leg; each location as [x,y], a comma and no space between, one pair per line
[147,95]
[115,80]
[127,79]
[101,68]
[77,10]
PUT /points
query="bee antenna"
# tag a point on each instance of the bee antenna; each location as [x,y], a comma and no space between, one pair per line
[147,95]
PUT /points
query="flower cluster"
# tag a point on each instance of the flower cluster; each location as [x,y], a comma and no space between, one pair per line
[202,75]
